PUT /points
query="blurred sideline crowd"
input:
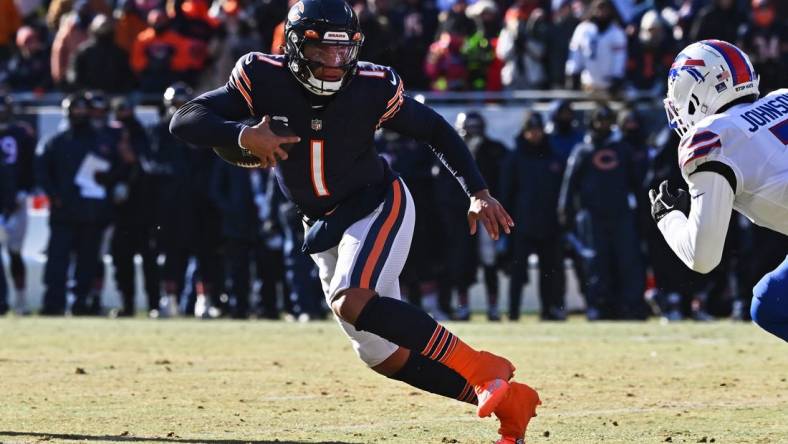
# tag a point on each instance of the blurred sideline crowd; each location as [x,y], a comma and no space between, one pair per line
[614,46]
[221,241]
[218,240]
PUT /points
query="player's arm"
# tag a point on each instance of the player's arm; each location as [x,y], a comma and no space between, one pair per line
[422,123]
[698,237]
[213,118]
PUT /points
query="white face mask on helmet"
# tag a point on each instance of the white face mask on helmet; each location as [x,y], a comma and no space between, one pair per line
[704,77]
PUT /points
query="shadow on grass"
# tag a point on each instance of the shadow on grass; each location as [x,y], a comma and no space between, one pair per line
[174,439]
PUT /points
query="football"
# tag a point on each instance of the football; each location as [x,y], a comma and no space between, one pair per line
[235,155]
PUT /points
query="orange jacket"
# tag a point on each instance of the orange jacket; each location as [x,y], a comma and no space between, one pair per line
[10,21]
[128,27]
[186,53]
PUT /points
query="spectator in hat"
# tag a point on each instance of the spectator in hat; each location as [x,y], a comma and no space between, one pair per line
[594,205]
[563,26]
[597,51]
[651,53]
[161,55]
[100,63]
[489,155]
[522,46]
[564,129]
[28,69]
[530,186]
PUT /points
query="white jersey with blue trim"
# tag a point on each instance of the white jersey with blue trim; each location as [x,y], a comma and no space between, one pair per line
[752,139]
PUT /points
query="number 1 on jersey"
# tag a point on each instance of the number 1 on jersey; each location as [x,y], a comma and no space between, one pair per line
[317,168]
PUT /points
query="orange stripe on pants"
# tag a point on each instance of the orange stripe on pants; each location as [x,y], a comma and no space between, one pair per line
[380,241]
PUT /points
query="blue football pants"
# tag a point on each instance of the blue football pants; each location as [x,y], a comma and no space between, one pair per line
[769,307]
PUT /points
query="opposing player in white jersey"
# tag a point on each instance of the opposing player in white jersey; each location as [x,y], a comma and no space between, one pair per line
[734,155]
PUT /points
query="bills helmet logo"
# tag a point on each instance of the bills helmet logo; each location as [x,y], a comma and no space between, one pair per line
[689,65]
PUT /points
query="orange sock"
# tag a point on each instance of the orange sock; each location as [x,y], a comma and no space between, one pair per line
[475,366]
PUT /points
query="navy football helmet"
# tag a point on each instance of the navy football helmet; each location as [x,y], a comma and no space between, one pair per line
[322,41]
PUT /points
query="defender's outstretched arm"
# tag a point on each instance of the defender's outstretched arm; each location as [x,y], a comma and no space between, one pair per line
[698,239]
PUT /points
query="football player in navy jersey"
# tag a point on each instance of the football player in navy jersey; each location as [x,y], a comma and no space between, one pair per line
[17,147]
[359,213]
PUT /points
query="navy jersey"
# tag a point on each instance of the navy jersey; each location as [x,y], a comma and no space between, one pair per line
[336,156]
[17,146]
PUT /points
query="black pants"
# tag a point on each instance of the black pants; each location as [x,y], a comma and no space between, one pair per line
[240,256]
[83,239]
[238,262]
[616,277]
[271,271]
[127,241]
[551,274]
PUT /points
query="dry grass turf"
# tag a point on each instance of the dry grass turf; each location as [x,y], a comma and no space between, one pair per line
[186,381]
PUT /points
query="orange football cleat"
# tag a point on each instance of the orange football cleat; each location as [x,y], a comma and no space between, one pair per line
[515,411]
[489,396]
[490,381]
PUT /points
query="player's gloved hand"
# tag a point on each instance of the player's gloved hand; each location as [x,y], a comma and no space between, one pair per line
[261,141]
[485,209]
[663,202]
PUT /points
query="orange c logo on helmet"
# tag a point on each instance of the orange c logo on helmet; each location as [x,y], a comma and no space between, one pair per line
[295,12]
[605,159]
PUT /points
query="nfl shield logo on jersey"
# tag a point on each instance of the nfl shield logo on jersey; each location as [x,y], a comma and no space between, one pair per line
[317,124]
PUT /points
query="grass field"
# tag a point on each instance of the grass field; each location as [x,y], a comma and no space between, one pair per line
[98,380]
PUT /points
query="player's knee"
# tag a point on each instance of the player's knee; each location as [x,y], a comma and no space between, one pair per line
[391,365]
[764,309]
[349,302]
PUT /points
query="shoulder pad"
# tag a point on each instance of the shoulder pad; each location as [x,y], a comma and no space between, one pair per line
[392,86]
[367,69]
[699,145]
[243,74]
[271,59]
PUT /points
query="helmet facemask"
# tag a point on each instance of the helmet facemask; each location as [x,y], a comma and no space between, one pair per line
[323,65]
[705,77]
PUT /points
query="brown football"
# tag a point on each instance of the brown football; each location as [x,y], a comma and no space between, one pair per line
[235,155]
